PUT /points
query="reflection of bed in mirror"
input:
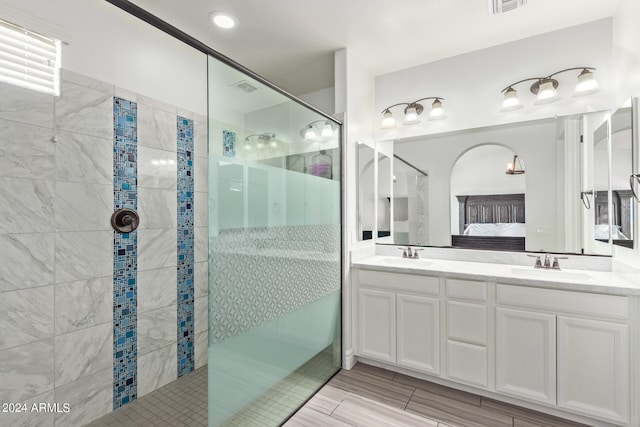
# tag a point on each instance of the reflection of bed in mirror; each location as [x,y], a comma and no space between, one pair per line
[491,221]
[621,203]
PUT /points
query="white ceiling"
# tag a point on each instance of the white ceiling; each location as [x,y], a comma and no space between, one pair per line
[291,42]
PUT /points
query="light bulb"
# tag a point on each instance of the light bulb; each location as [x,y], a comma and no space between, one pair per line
[587,84]
[511,101]
[388,122]
[411,116]
[546,93]
[437,112]
[223,20]
[310,134]
[327,130]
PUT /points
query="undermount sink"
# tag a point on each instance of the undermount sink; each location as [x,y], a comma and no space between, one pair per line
[406,262]
[551,274]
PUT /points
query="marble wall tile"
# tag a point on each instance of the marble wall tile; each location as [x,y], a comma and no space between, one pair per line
[26,316]
[201,247]
[200,179]
[200,209]
[30,419]
[157,248]
[27,260]
[157,168]
[157,104]
[90,397]
[157,368]
[200,314]
[83,207]
[26,371]
[200,349]
[83,352]
[200,138]
[156,289]
[201,279]
[126,94]
[84,158]
[84,110]
[157,128]
[82,304]
[26,106]
[26,151]
[157,329]
[185,113]
[68,76]
[83,254]
[26,206]
[157,208]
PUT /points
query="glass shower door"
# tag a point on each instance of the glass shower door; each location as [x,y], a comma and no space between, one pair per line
[274,251]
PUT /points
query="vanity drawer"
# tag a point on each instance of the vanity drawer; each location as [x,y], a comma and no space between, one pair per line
[467,322]
[398,281]
[615,307]
[467,289]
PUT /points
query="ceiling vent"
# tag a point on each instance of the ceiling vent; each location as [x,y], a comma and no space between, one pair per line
[244,86]
[497,7]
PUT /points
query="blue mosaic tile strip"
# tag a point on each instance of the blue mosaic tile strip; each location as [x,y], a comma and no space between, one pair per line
[185,246]
[125,195]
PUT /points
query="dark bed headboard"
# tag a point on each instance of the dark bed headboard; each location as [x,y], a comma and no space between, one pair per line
[490,208]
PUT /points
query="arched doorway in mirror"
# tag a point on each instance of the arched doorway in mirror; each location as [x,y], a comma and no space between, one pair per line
[488,199]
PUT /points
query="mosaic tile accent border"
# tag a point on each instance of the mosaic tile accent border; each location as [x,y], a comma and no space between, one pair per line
[185,247]
[125,195]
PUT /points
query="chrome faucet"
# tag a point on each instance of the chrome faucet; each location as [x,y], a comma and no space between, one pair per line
[547,265]
[407,253]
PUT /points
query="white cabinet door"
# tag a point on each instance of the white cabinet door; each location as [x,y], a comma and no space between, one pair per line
[418,333]
[526,355]
[593,368]
[377,324]
[467,363]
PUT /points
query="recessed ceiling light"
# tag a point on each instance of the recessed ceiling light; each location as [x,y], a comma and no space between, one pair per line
[223,20]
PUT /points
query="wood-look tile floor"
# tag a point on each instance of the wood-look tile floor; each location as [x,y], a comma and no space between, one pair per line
[367,396]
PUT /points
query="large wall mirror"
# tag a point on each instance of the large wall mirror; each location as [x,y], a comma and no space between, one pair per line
[520,180]
[622,200]
[601,183]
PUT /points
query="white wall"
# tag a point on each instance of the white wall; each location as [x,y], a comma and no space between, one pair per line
[471,83]
[354,91]
[626,61]
[110,45]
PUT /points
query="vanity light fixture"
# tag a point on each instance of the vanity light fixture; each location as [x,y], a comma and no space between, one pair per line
[260,141]
[318,130]
[545,88]
[515,167]
[412,111]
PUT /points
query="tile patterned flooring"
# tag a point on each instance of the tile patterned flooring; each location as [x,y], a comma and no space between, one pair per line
[365,396]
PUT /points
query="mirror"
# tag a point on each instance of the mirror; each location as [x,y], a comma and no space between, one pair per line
[601,199]
[384,192]
[426,211]
[488,199]
[366,190]
[410,213]
[622,201]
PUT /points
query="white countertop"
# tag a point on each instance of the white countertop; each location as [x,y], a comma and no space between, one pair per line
[575,280]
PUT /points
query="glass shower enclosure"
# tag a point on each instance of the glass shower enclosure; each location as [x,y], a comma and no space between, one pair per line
[274,250]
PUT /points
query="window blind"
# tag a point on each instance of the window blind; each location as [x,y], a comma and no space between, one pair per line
[28,59]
